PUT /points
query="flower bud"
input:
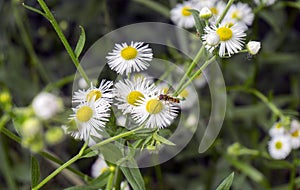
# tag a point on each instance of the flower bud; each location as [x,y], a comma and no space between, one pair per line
[46,105]
[253,47]
[205,13]
[31,127]
[54,135]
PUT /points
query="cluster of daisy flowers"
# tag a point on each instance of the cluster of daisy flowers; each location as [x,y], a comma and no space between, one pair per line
[284,138]
[136,97]
[227,36]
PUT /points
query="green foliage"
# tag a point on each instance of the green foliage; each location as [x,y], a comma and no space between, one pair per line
[35,171]
[226,183]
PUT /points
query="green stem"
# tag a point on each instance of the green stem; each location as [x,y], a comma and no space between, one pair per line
[190,69]
[6,168]
[83,152]
[118,179]
[155,6]
[42,153]
[128,133]
[110,180]
[293,172]
[63,39]
[58,170]
[198,72]
[28,45]
[263,98]
[230,2]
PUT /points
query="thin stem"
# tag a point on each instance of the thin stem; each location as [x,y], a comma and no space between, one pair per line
[155,6]
[128,133]
[28,45]
[198,72]
[45,154]
[293,172]
[118,178]
[83,152]
[63,39]
[110,180]
[230,2]
[190,69]
[263,98]
[58,170]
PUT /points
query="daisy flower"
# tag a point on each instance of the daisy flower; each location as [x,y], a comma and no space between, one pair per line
[280,147]
[181,16]
[229,37]
[240,13]
[217,9]
[104,92]
[276,129]
[90,117]
[265,2]
[129,92]
[129,58]
[295,134]
[154,112]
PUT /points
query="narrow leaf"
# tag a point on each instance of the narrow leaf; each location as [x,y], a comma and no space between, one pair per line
[35,171]
[226,183]
[80,43]
[163,140]
[134,176]
[198,22]
[35,10]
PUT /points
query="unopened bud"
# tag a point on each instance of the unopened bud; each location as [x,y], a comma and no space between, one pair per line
[253,47]
[205,13]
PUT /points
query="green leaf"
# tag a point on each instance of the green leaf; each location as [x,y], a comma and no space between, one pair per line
[163,140]
[111,152]
[80,43]
[35,171]
[198,22]
[226,183]
[134,176]
[35,10]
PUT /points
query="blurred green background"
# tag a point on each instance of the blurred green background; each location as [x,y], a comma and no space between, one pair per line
[32,56]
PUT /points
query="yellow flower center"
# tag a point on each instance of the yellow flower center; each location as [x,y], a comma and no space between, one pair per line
[93,93]
[84,114]
[224,33]
[185,11]
[133,97]
[129,53]
[278,126]
[154,106]
[278,145]
[214,10]
[236,15]
[165,90]
[295,133]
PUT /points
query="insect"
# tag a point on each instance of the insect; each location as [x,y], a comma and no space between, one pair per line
[166,97]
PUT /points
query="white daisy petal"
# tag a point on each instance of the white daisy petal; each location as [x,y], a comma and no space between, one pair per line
[181,16]
[90,118]
[128,92]
[153,112]
[104,92]
[280,147]
[231,38]
[129,58]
